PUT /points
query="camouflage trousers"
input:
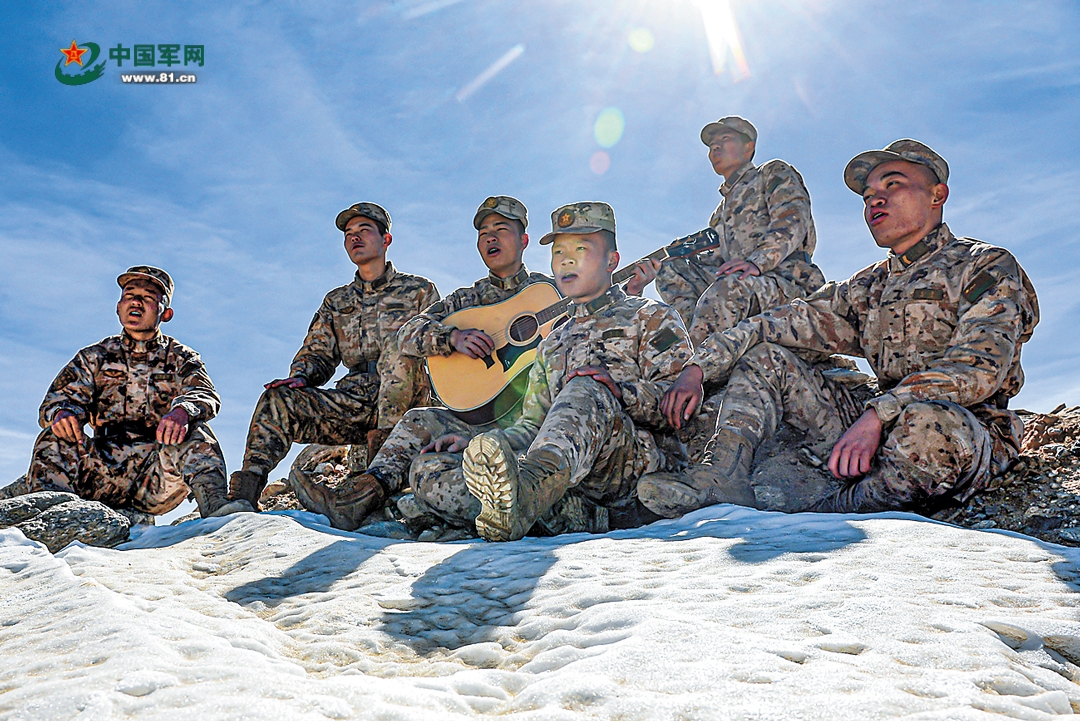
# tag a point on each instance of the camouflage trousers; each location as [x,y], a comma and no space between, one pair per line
[129,472]
[709,304]
[606,453]
[934,450]
[436,479]
[283,416]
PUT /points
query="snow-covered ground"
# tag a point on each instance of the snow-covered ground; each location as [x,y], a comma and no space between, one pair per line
[728,613]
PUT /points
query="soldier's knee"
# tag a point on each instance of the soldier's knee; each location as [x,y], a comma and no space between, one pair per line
[765,357]
[585,386]
[933,429]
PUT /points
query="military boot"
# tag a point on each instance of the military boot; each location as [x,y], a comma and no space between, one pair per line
[512,495]
[722,478]
[573,513]
[355,499]
[247,486]
[213,501]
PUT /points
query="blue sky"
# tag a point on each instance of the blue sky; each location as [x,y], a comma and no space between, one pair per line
[232,184]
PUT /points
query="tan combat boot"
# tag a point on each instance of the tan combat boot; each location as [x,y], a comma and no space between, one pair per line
[247,486]
[725,478]
[213,501]
[512,495]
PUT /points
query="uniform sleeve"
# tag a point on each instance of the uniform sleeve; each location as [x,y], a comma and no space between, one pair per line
[426,335]
[198,397]
[401,378]
[318,358]
[664,349]
[789,216]
[983,346]
[827,322]
[72,390]
[534,407]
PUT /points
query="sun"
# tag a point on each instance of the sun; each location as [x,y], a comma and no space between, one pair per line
[722,32]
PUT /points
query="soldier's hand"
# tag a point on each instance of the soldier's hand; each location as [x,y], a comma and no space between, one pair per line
[599,374]
[66,425]
[738,266]
[472,342]
[683,398]
[450,443]
[852,454]
[294,382]
[173,427]
[644,273]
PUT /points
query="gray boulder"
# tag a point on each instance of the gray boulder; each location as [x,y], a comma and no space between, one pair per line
[56,519]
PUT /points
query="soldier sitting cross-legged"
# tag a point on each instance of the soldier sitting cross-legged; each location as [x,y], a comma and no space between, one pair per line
[941,321]
[356,326]
[148,399]
[591,418]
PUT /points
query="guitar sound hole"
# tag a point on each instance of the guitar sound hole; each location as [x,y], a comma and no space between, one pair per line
[523,328]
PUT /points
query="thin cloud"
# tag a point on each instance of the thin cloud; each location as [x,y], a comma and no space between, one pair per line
[492,70]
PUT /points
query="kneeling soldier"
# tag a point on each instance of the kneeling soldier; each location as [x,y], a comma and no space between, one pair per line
[591,417]
[148,399]
[356,326]
[941,322]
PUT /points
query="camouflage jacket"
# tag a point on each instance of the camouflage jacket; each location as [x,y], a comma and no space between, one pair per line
[944,321]
[764,217]
[122,380]
[426,335]
[357,326]
[642,343]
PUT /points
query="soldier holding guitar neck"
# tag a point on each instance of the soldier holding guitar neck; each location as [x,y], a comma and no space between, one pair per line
[437,433]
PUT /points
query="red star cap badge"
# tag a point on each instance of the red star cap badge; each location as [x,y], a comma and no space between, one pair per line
[74,54]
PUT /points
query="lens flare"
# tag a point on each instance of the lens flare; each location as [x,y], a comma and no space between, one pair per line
[723,35]
[641,40]
[599,162]
[609,127]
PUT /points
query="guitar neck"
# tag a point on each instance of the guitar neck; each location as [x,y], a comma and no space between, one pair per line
[621,276]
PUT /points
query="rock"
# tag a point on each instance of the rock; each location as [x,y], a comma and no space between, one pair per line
[1070,534]
[983,525]
[56,519]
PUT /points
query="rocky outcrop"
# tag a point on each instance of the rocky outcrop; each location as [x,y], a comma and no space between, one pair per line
[56,519]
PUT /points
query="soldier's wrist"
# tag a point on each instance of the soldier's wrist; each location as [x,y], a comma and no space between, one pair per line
[886,406]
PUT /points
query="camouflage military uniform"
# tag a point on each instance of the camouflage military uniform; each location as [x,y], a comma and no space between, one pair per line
[122,387]
[941,325]
[436,479]
[764,217]
[357,326]
[606,444]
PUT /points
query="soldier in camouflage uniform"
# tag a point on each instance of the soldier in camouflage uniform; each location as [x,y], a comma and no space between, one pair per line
[941,322]
[356,326]
[148,399]
[767,237]
[591,416]
[430,440]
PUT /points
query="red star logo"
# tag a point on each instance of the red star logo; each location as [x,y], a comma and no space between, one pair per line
[74,54]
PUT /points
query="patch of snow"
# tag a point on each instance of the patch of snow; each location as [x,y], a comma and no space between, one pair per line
[728,613]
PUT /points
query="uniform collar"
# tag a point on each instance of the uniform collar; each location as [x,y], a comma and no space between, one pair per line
[141,346]
[612,295]
[731,182]
[516,280]
[370,286]
[936,238]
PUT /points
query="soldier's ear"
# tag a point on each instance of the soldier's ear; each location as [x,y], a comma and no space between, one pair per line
[613,261]
[387,240]
[167,315]
[938,195]
[524,241]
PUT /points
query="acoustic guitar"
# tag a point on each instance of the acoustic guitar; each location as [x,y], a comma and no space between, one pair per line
[482,390]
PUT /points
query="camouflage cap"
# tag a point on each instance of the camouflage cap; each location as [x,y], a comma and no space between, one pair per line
[148,272]
[731,122]
[505,206]
[858,168]
[580,218]
[363,210]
